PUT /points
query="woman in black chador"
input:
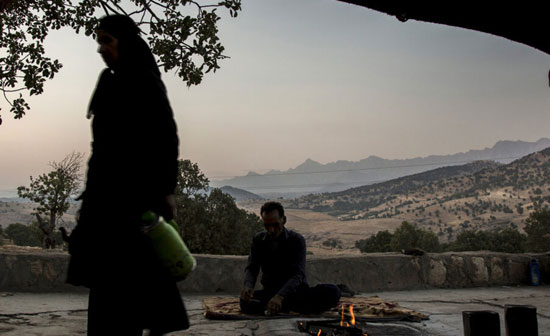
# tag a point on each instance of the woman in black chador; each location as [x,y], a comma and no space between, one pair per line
[132,169]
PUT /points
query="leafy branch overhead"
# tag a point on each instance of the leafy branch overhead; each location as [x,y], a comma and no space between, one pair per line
[182,34]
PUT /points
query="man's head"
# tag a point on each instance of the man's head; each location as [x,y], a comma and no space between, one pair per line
[273,216]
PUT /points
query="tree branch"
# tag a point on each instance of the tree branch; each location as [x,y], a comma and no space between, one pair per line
[121,9]
[106,7]
[159,4]
[41,223]
[5,96]
[146,6]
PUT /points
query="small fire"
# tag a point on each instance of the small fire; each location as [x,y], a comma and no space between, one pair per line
[352,321]
[319,333]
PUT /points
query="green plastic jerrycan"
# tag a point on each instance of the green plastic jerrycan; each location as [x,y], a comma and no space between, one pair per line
[168,245]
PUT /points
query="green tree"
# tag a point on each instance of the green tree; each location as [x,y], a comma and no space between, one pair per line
[508,240]
[538,231]
[191,180]
[24,235]
[380,242]
[470,240]
[182,33]
[52,192]
[408,236]
[230,229]
[211,222]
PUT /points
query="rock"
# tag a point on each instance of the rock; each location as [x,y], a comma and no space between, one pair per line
[497,273]
[481,275]
[438,273]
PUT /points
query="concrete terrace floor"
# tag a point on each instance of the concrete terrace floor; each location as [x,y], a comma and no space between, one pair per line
[63,314]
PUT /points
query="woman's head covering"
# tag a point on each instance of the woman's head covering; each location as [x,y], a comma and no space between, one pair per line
[135,55]
[135,67]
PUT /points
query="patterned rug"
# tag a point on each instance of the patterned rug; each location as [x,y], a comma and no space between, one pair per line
[368,309]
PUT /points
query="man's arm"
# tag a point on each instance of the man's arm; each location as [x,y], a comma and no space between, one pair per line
[298,267]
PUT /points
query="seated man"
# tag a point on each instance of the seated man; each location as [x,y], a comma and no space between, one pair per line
[281,255]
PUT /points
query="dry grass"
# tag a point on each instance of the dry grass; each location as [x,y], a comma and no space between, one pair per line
[318,227]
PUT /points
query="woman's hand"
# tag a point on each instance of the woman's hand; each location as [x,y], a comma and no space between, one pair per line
[168,207]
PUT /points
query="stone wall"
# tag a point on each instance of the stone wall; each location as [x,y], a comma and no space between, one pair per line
[35,270]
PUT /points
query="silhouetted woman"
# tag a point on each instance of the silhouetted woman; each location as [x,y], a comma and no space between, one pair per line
[132,169]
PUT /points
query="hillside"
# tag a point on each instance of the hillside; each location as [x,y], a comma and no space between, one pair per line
[240,195]
[481,195]
[314,177]
[17,210]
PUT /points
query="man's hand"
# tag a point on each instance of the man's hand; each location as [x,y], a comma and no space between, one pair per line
[275,304]
[247,293]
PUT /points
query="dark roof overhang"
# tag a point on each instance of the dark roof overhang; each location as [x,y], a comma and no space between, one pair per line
[524,22]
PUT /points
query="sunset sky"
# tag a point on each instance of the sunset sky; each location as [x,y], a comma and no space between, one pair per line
[315,79]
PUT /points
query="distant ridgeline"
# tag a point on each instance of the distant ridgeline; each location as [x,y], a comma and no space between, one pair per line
[478,195]
[313,177]
[239,194]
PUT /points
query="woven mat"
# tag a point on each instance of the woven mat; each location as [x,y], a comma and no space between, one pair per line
[368,309]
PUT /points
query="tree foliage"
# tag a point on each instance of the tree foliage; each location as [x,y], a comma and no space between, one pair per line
[183,35]
[508,240]
[210,221]
[380,242]
[24,235]
[408,236]
[191,180]
[52,192]
[538,231]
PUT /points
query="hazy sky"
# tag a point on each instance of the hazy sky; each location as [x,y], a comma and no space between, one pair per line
[315,79]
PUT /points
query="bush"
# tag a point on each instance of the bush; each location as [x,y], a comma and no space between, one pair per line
[380,242]
[470,240]
[408,236]
[538,231]
[333,243]
[215,225]
[23,235]
[508,240]
[211,223]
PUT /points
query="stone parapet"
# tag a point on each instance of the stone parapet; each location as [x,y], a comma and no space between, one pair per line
[35,270]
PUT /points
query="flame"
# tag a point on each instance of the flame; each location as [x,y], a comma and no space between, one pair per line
[352,321]
[319,333]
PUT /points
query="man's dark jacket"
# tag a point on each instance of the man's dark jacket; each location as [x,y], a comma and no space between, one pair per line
[282,261]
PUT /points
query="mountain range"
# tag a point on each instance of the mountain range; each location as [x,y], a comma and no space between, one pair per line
[314,177]
[240,195]
[480,195]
